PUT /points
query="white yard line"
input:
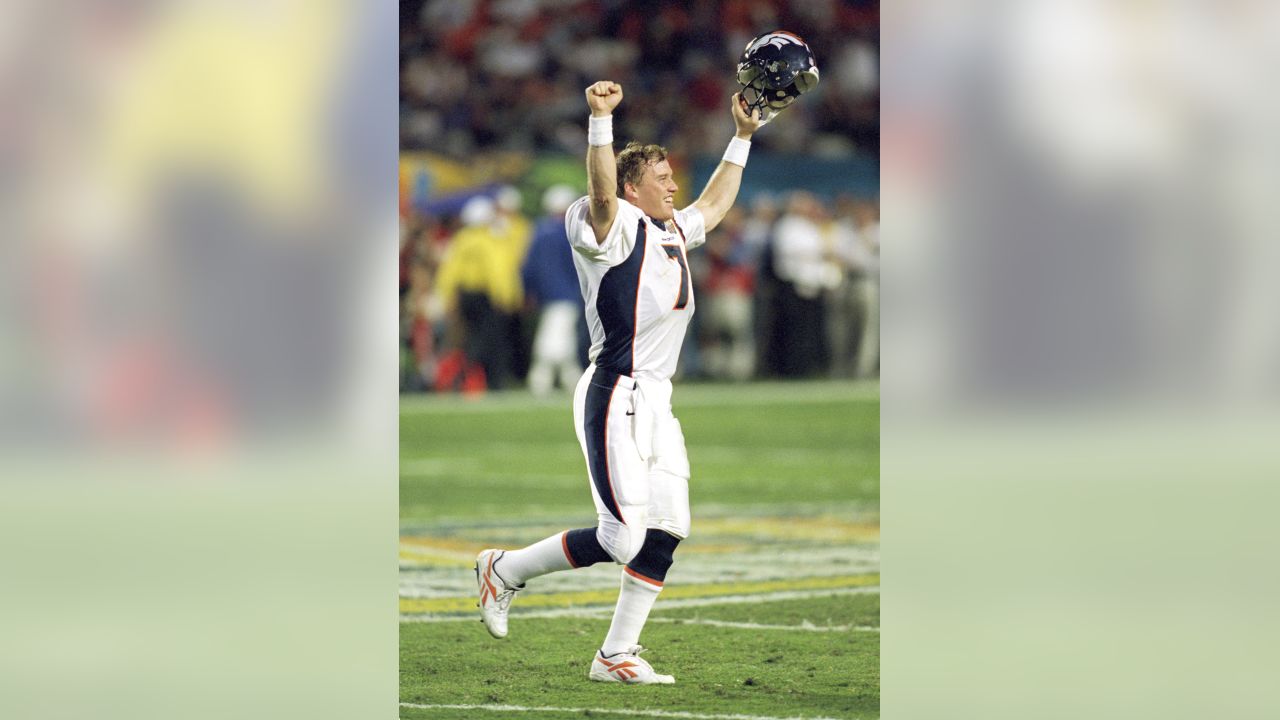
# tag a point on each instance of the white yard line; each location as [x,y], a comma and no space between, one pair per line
[605,611]
[599,711]
[805,626]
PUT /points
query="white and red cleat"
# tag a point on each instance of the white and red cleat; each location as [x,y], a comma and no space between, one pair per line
[626,667]
[495,594]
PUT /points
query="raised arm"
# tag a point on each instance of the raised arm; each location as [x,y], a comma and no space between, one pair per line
[602,168]
[722,189]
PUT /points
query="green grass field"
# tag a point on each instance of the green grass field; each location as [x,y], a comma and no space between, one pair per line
[771,609]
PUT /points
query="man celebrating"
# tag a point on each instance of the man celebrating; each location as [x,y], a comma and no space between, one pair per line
[630,243]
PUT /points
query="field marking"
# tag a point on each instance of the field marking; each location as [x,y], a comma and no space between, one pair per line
[461,604]
[740,537]
[431,578]
[606,611]
[805,626]
[601,711]
[826,528]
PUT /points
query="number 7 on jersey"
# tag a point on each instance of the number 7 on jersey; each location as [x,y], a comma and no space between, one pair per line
[673,252]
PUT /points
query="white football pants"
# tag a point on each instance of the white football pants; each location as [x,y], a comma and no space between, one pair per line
[636,459]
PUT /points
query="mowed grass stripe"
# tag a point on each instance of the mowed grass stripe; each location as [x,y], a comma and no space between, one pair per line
[686,395]
[595,597]
[779,527]
[513,464]
[865,512]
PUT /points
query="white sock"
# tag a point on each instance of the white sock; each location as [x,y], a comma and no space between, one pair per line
[545,556]
[635,600]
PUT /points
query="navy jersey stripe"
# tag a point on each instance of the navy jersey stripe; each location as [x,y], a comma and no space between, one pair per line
[596,430]
[616,304]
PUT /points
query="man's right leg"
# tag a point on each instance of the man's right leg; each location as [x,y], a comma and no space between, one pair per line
[667,524]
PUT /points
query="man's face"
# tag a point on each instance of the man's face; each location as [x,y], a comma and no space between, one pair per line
[655,194]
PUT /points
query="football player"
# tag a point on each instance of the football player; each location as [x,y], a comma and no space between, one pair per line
[630,243]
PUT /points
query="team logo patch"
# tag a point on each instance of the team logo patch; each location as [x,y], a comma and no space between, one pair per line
[775,39]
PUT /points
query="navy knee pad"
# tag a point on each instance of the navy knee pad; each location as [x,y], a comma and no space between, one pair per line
[583,548]
[655,557]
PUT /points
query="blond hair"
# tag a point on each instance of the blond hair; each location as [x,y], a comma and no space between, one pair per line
[632,161]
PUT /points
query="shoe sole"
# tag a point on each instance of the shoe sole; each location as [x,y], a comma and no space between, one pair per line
[624,682]
[606,678]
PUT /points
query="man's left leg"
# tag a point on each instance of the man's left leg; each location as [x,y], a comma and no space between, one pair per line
[642,581]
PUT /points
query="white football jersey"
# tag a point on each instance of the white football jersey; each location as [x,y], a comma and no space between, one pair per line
[637,287]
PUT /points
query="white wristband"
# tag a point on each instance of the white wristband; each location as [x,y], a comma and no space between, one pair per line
[737,151]
[600,130]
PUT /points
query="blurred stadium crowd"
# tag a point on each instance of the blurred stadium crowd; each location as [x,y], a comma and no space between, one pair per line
[785,287]
[492,123]
[509,74]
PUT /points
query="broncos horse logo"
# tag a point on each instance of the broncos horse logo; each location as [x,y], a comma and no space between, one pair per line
[777,39]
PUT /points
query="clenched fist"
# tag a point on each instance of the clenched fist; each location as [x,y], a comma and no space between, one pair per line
[745,122]
[603,97]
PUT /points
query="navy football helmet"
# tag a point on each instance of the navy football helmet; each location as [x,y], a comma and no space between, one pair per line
[775,69]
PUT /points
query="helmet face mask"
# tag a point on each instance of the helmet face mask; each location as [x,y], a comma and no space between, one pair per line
[775,69]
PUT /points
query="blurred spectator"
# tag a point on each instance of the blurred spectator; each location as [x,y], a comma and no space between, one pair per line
[866,220]
[514,231]
[728,328]
[551,282]
[803,261]
[465,285]
[757,240]
[846,297]
[509,75]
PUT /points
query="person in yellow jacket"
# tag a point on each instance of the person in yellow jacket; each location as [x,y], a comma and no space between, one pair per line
[514,233]
[470,283]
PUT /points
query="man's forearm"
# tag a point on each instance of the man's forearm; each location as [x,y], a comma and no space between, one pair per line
[720,193]
[602,187]
[722,189]
[602,177]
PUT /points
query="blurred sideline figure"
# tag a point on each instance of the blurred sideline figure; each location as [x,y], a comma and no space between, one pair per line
[758,238]
[416,278]
[845,300]
[803,261]
[730,351]
[514,232]
[630,244]
[552,284]
[866,220]
[465,287]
